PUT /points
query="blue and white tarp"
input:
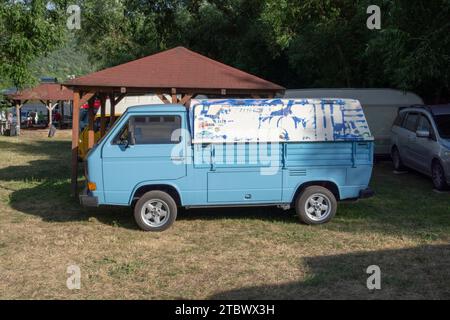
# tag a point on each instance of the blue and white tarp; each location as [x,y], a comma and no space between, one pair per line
[278,120]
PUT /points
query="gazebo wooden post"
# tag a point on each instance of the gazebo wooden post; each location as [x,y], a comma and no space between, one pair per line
[91,124]
[61,123]
[102,115]
[49,112]
[112,111]
[18,106]
[174,95]
[75,136]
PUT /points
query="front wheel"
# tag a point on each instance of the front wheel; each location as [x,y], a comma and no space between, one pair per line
[438,176]
[316,205]
[155,211]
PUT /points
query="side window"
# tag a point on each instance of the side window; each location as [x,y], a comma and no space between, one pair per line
[123,135]
[424,124]
[399,120]
[154,129]
[411,121]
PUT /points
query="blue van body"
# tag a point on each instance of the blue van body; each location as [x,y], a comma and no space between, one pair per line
[123,173]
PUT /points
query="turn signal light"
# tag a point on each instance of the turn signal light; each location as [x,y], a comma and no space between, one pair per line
[92,186]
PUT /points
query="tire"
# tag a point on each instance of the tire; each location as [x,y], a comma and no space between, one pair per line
[397,160]
[438,176]
[150,208]
[310,200]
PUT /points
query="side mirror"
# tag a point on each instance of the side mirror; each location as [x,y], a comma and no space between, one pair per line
[124,143]
[423,134]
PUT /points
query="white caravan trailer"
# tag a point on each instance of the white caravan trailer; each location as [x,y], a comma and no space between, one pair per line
[380,107]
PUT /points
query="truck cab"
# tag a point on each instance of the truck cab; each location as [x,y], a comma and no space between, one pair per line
[157,158]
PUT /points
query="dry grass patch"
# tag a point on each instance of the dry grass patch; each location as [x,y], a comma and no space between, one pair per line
[220,253]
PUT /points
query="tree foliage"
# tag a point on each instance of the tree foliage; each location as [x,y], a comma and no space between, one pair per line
[28,29]
[308,43]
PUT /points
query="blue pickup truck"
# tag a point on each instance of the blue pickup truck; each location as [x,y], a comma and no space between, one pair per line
[307,154]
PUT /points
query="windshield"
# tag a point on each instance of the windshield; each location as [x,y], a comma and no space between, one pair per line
[111,128]
[443,125]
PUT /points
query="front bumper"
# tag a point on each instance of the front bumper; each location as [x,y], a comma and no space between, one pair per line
[366,193]
[88,200]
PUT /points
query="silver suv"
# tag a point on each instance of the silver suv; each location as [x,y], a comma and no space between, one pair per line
[421,141]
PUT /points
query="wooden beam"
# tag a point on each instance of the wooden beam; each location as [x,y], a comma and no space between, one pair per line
[163,98]
[186,99]
[86,97]
[179,90]
[75,136]
[102,115]
[119,98]
[91,124]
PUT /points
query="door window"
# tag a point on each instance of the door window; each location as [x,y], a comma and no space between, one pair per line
[411,121]
[399,119]
[424,124]
[154,129]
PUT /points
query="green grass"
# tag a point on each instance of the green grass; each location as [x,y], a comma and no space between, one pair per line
[213,253]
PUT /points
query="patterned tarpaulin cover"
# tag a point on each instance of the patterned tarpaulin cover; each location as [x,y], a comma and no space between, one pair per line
[278,120]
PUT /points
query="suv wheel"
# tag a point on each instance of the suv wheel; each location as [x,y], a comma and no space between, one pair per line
[155,211]
[397,160]
[316,205]
[438,176]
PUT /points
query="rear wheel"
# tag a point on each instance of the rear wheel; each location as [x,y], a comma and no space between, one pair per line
[155,211]
[316,205]
[397,160]
[438,176]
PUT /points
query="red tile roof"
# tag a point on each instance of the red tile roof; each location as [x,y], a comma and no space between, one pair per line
[175,68]
[44,91]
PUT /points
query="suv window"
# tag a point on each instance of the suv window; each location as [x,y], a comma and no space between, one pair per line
[154,129]
[443,124]
[424,124]
[399,119]
[411,121]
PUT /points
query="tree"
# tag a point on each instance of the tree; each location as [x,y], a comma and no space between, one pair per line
[412,51]
[28,29]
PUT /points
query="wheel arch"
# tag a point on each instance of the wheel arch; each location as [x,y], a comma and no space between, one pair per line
[330,185]
[168,188]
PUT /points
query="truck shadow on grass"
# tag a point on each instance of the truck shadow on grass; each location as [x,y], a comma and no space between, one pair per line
[388,213]
[51,201]
[404,204]
[413,273]
[50,148]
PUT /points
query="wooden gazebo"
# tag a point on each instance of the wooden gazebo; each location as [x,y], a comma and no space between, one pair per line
[175,76]
[49,94]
